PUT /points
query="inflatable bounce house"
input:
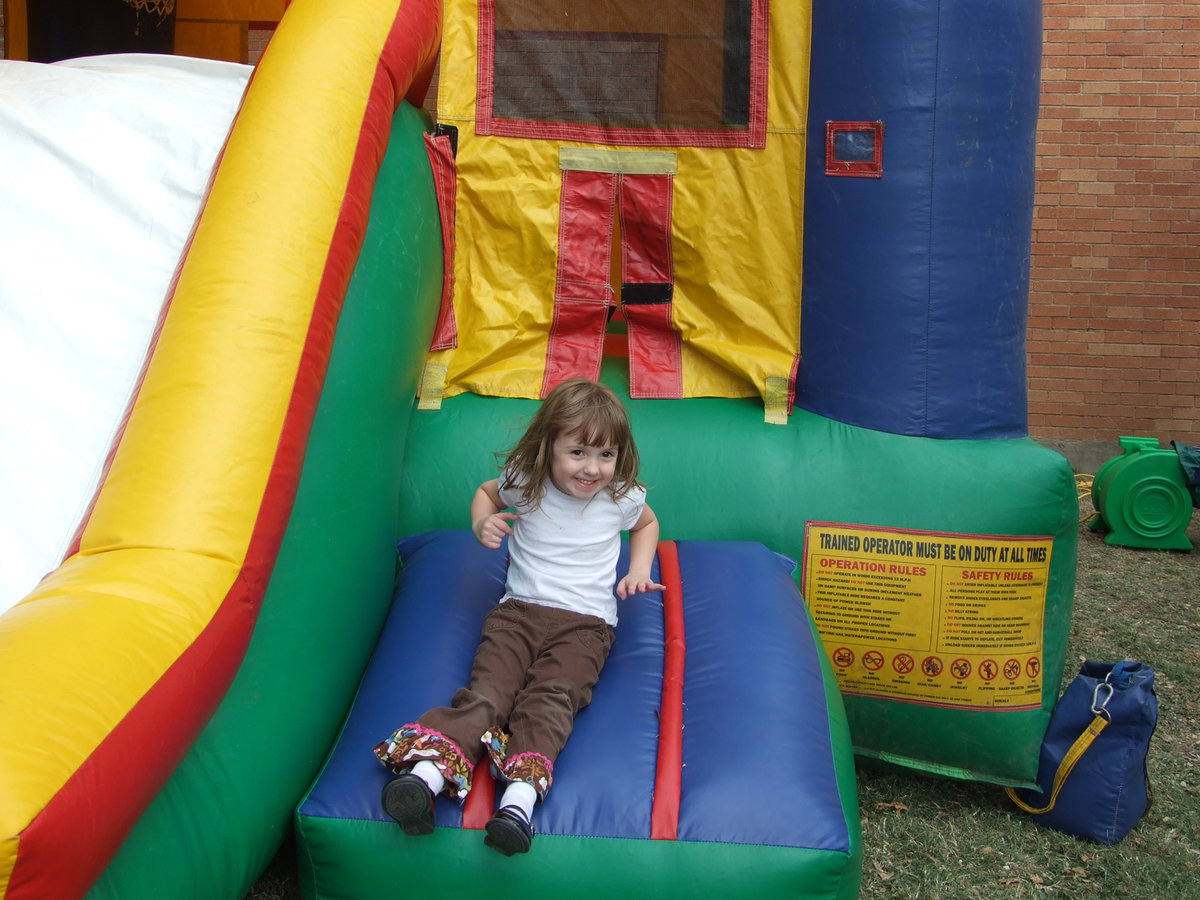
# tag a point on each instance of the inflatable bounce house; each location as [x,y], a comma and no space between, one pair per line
[793,234]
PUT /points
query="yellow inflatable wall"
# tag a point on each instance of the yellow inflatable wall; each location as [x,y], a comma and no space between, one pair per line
[735,207]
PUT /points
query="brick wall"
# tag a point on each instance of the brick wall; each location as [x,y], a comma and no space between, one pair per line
[259,35]
[1114,325]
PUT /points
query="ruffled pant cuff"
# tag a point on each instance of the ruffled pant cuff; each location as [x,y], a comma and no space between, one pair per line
[533,769]
[411,743]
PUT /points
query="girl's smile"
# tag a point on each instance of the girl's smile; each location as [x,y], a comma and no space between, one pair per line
[580,470]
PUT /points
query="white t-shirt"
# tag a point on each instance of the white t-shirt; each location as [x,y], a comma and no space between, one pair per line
[564,553]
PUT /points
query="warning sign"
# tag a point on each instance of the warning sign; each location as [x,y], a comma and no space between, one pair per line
[930,617]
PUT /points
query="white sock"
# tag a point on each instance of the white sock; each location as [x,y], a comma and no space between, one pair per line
[431,775]
[520,795]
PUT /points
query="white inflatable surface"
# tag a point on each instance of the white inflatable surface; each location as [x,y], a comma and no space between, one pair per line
[104,162]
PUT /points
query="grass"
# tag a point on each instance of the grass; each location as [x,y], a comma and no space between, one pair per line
[931,838]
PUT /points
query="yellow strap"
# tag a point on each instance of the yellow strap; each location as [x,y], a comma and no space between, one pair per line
[775,400]
[618,162]
[1064,768]
[433,386]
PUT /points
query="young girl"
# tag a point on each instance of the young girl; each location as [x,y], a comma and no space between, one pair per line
[572,480]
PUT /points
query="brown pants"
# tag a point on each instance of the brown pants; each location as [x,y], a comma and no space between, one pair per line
[534,669]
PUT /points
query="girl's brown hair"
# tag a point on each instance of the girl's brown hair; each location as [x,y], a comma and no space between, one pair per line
[579,407]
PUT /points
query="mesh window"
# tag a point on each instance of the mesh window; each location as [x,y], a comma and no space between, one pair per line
[854,148]
[624,71]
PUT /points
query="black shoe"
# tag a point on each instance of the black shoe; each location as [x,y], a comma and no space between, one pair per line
[509,832]
[408,800]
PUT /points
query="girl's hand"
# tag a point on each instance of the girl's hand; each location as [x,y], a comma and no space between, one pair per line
[637,583]
[490,530]
[643,539]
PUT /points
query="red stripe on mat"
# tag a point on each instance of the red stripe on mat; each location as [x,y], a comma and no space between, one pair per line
[664,817]
[481,799]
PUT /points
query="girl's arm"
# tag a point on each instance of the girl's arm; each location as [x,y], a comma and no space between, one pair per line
[489,522]
[643,541]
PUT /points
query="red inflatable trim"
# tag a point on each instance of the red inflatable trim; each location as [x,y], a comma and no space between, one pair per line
[664,817]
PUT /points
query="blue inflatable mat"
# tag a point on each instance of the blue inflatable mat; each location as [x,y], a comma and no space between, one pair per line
[747,785]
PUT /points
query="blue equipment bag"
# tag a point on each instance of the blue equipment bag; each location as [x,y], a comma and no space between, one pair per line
[1189,458]
[1099,735]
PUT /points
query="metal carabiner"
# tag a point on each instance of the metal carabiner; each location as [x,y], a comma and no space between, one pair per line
[1098,705]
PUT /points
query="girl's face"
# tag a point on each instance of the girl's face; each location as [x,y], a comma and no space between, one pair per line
[579,470]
